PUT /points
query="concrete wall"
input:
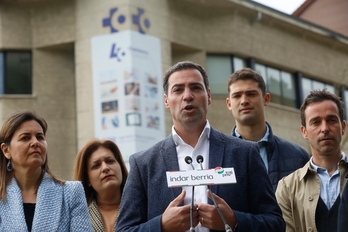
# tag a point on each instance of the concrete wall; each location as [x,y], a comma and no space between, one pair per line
[48,30]
[15,24]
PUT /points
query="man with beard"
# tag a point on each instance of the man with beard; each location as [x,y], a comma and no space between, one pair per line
[309,197]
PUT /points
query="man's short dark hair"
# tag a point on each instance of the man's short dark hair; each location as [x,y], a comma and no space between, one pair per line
[184,65]
[247,74]
[320,96]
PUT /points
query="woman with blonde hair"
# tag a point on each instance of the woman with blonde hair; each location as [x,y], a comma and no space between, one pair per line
[100,167]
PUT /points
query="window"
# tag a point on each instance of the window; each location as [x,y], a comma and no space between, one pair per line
[283,86]
[345,100]
[309,84]
[289,89]
[238,64]
[280,84]
[274,84]
[15,73]
[219,69]
[261,69]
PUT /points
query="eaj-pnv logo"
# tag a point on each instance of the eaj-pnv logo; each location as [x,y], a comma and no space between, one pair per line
[219,170]
[115,18]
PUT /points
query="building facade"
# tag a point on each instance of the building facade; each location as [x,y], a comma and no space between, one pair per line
[331,14]
[50,44]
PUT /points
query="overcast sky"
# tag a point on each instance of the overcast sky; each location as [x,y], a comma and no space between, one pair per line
[286,6]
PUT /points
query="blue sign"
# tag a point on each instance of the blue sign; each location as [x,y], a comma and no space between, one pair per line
[138,19]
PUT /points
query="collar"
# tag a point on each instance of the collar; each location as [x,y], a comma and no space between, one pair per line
[320,169]
[310,167]
[205,134]
[263,139]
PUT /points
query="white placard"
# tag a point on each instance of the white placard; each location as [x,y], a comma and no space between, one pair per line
[213,176]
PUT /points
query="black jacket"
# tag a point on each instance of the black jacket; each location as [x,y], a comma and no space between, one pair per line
[283,157]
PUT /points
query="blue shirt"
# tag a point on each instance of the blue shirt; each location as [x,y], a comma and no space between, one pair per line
[262,146]
[329,185]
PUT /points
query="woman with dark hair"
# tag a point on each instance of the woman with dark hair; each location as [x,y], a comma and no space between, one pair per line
[31,197]
[100,167]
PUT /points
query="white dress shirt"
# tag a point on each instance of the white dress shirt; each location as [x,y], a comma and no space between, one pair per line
[183,150]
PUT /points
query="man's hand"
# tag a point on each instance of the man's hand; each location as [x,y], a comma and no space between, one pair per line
[209,216]
[177,218]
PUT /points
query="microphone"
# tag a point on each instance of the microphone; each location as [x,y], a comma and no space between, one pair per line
[188,160]
[227,227]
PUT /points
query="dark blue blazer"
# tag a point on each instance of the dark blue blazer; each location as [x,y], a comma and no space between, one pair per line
[146,194]
[284,157]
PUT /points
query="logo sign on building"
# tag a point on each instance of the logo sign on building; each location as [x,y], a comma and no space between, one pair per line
[117,18]
[127,89]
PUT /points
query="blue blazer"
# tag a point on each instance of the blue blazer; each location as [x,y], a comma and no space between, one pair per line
[146,194]
[58,208]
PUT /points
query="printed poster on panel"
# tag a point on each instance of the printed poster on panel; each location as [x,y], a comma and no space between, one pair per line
[127,89]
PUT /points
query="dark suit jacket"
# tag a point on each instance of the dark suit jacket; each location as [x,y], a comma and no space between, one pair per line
[284,157]
[146,194]
[343,211]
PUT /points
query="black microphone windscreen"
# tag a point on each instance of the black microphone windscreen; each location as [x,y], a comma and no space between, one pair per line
[200,159]
[188,159]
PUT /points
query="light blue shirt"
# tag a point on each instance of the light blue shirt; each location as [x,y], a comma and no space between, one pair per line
[262,146]
[329,185]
